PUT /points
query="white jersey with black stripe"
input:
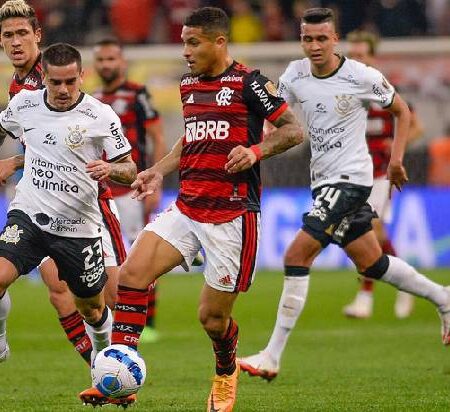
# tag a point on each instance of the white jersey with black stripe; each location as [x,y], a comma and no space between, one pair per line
[335,111]
[56,191]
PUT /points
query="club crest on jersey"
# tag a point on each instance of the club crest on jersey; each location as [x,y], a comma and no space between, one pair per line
[75,137]
[223,98]
[11,234]
[343,104]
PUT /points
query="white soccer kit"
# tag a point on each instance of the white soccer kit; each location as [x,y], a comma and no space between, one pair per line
[56,192]
[335,111]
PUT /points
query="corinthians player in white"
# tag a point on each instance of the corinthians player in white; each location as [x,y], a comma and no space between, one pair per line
[55,210]
[334,93]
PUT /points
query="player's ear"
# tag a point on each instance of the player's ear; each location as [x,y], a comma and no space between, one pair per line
[221,41]
[81,76]
[38,35]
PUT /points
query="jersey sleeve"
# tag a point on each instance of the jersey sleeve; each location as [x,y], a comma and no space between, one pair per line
[115,144]
[145,106]
[260,95]
[285,92]
[9,120]
[377,88]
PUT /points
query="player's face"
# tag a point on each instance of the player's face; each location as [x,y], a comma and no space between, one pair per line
[318,42]
[201,51]
[20,42]
[360,51]
[63,85]
[109,62]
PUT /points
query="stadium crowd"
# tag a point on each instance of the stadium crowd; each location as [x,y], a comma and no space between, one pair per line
[160,21]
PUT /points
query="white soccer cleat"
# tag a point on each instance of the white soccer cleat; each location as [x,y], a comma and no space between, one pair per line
[444,314]
[261,364]
[5,354]
[361,307]
[404,305]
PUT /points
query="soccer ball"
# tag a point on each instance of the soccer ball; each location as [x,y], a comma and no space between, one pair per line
[118,371]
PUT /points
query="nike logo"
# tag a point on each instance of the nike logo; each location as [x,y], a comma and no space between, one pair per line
[27,130]
[303,101]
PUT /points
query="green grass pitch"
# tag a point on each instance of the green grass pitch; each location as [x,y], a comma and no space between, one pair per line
[330,364]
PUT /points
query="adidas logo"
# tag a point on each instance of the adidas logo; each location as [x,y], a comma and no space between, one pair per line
[226,280]
[190,99]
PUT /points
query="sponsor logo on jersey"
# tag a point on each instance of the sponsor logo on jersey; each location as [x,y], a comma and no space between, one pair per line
[46,179]
[188,81]
[380,93]
[75,137]
[300,75]
[223,98]
[88,112]
[29,81]
[349,79]
[190,99]
[343,104]
[7,115]
[320,108]
[118,135]
[27,104]
[231,78]
[209,129]
[50,139]
[11,234]
[263,96]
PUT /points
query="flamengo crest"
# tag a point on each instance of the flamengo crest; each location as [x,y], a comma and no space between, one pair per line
[223,98]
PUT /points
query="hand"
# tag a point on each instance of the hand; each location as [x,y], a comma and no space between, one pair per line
[98,169]
[240,158]
[397,177]
[147,183]
[7,169]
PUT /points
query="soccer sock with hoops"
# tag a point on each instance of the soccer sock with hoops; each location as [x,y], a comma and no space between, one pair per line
[225,350]
[75,330]
[5,307]
[130,315]
[292,302]
[151,305]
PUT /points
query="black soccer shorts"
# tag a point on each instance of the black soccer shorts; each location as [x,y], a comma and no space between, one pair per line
[340,214]
[79,260]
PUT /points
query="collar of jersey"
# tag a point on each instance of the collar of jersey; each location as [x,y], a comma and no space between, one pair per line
[53,109]
[20,81]
[212,78]
[341,62]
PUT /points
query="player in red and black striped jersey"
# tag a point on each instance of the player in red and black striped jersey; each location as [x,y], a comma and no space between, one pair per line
[379,134]
[224,106]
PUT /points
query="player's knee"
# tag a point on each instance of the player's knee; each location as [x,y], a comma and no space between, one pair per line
[377,270]
[214,325]
[91,312]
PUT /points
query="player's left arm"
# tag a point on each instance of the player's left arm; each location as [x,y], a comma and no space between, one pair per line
[396,172]
[121,171]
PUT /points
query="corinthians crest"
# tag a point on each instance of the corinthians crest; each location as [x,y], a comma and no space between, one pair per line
[75,137]
[11,234]
[343,104]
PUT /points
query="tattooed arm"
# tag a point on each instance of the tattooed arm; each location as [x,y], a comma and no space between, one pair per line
[286,134]
[122,171]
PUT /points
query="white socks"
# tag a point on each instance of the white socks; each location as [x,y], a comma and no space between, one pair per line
[292,301]
[100,335]
[404,277]
[5,307]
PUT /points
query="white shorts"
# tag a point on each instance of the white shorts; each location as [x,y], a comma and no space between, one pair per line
[114,251]
[131,214]
[230,248]
[379,199]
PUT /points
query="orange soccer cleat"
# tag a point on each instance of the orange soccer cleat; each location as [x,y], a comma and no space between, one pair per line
[94,397]
[223,392]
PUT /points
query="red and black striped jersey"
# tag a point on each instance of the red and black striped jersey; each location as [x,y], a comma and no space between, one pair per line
[32,81]
[132,103]
[379,133]
[221,113]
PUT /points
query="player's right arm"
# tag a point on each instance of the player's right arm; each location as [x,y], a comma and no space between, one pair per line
[150,180]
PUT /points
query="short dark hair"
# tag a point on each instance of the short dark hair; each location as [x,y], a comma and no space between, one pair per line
[318,15]
[109,41]
[210,19]
[60,54]
[18,8]
[360,36]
